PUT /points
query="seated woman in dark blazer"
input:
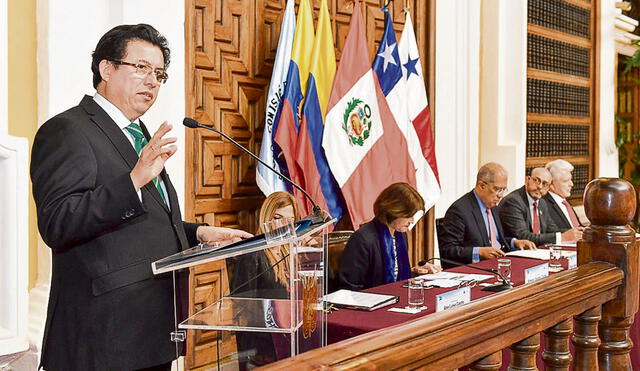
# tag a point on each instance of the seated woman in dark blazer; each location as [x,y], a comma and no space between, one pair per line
[377,252]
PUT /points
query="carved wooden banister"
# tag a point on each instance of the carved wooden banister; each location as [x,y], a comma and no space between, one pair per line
[479,330]
[459,336]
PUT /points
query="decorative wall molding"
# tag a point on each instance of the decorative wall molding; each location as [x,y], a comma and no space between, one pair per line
[14,244]
[457,97]
[503,86]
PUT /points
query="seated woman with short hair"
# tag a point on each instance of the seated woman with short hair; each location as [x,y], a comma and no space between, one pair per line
[377,252]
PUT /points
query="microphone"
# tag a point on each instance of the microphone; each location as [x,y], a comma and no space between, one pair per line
[505,285]
[316,216]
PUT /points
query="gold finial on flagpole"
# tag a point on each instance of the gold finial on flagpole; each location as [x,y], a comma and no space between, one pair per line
[406,7]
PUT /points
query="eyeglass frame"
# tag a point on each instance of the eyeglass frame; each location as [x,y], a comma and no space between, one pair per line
[500,192]
[160,74]
[540,182]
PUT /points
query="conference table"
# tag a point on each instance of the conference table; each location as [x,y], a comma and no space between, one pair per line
[346,323]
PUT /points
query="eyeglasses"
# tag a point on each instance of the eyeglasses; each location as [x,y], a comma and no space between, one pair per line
[144,70]
[541,182]
[498,191]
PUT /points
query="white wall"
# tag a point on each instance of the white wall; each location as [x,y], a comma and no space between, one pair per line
[503,86]
[605,112]
[4,61]
[457,97]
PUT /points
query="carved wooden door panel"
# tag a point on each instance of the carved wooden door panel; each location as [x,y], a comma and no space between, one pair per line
[230,48]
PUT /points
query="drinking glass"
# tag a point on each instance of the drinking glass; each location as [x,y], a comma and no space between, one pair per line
[416,293]
[278,229]
[504,268]
[555,254]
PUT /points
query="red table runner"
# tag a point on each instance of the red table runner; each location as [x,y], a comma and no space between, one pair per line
[345,323]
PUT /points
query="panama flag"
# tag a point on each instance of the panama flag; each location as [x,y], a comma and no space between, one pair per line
[266,179]
[416,102]
[318,180]
[365,149]
[389,70]
[286,130]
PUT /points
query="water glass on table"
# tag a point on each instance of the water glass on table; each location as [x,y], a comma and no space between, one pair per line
[504,268]
[416,293]
[555,254]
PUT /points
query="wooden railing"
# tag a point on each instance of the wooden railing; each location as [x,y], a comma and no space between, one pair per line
[593,305]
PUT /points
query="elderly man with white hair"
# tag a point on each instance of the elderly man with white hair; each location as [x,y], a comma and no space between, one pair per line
[562,213]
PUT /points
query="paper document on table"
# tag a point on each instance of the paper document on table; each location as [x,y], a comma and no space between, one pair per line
[452,279]
[541,254]
[360,300]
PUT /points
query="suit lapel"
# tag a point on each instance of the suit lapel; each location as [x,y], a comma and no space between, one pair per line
[111,130]
[556,209]
[496,218]
[479,218]
[523,195]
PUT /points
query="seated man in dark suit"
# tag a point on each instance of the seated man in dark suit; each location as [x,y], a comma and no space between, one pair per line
[471,228]
[562,213]
[524,216]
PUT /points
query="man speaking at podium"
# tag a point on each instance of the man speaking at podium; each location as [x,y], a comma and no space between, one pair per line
[107,209]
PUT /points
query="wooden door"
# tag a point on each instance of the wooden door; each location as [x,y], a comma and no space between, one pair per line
[230,48]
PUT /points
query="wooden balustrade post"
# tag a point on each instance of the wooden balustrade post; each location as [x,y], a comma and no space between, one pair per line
[585,339]
[556,354]
[523,354]
[610,205]
[492,362]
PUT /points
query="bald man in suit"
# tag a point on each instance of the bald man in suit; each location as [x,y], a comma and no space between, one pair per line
[471,229]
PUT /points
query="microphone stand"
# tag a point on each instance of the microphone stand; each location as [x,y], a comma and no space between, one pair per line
[317,216]
[505,285]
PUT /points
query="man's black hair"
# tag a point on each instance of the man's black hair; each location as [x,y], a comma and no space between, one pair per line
[113,45]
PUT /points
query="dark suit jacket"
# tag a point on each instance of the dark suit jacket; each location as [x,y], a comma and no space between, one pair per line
[463,228]
[362,266]
[107,311]
[516,219]
[561,221]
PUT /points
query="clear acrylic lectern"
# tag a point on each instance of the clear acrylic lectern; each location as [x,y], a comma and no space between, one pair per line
[294,321]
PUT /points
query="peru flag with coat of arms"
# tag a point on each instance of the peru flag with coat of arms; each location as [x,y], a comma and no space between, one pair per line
[365,149]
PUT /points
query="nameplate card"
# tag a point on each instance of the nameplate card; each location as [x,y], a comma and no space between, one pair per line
[536,273]
[453,298]
[573,260]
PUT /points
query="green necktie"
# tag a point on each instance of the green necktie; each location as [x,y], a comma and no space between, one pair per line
[138,143]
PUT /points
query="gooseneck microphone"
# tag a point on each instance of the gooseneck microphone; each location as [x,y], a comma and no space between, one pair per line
[505,285]
[317,215]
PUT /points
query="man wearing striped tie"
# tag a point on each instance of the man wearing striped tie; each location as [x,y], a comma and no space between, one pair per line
[107,209]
